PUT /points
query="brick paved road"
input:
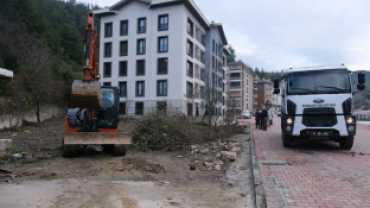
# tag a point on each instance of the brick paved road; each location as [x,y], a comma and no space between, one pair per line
[318,173]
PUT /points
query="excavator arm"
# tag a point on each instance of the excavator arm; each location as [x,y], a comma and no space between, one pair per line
[86,93]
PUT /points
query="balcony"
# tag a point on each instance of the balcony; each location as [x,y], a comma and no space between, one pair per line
[235,78]
[255,89]
[235,88]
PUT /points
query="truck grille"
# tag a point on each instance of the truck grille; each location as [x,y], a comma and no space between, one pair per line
[319,117]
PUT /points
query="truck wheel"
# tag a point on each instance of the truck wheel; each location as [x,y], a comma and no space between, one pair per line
[347,143]
[119,150]
[287,141]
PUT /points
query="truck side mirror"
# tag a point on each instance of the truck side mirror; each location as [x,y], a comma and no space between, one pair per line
[276,91]
[361,78]
[276,83]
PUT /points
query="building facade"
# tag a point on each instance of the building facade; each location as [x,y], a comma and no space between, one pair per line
[241,87]
[265,94]
[215,65]
[155,53]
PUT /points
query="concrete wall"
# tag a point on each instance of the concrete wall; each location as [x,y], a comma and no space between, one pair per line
[47,112]
[5,147]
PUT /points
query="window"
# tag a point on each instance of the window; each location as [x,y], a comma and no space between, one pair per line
[107,69]
[106,84]
[139,108]
[122,68]
[140,46]
[213,62]
[122,108]
[190,109]
[235,84]
[203,75]
[141,25]
[162,44]
[140,89]
[124,27]
[189,89]
[189,48]
[123,48]
[213,46]
[189,69]
[123,89]
[140,67]
[216,49]
[107,49]
[163,22]
[190,28]
[162,65]
[202,93]
[162,88]
[108,30]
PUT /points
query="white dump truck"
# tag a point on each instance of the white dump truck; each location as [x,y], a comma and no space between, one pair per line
[317,104]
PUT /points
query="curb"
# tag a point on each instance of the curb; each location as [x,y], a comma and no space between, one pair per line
[259,193]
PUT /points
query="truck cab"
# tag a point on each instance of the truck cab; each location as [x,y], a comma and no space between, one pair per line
[317,104]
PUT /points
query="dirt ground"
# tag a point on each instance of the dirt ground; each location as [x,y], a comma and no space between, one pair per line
[140,179]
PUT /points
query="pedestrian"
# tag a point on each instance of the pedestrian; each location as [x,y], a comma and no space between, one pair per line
[264,118]
[258,119]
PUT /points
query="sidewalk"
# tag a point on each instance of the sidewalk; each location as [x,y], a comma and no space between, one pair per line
[314,173]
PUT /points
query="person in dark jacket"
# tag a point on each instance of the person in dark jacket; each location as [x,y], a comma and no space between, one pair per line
[258,119]
[264,119]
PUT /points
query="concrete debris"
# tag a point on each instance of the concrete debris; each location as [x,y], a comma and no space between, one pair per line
[218,155]
[229,155]
[236,149]
[218,161]
[17,155]
[205,151]
[208,164]
[225,147]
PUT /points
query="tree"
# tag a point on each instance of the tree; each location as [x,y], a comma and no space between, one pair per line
[232,57]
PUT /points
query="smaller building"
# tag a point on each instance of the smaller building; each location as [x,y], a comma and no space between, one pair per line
[265,90]
[241,87]
[4,73]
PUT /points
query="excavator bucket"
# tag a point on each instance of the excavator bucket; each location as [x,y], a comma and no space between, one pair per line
[96,138]
[86,94]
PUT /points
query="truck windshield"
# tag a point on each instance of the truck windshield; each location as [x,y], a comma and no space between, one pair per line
[333,81]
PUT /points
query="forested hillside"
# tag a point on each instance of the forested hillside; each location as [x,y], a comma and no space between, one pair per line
[41,41]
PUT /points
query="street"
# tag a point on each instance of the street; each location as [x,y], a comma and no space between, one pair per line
[313,173]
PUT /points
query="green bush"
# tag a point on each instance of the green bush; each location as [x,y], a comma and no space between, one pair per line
[16,149]
[202,123]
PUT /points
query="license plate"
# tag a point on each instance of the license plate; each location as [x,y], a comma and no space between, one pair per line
[319,134]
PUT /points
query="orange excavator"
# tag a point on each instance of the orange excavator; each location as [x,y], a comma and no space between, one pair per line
[93,116]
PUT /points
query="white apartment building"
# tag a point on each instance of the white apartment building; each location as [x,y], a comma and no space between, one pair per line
[152,50]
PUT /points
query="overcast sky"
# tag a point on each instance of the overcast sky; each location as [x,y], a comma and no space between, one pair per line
[274,35]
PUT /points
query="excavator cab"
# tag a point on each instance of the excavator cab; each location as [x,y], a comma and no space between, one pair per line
[107,117]
[81,130]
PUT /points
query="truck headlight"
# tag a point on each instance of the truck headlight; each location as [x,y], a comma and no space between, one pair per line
[289,121]
[349,120]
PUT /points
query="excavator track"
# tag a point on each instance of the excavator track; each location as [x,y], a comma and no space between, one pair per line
[70,150]
[119,150]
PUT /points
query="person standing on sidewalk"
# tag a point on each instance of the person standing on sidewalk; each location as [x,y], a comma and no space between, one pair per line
[258,119]
[264,117]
